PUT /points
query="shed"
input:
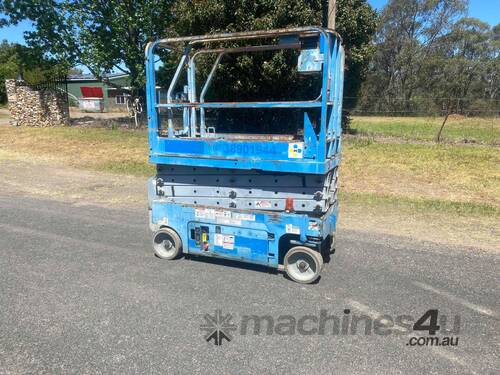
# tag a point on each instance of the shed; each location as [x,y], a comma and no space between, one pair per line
[114,98]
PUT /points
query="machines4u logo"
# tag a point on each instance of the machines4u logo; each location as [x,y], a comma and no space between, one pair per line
[218,327]
[422,331]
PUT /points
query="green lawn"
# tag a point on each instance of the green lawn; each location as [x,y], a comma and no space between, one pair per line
[479,130]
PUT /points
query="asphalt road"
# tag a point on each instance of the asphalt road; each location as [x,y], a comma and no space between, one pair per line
[81,292]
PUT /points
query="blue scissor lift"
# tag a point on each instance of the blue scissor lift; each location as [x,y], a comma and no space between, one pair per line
[268,199]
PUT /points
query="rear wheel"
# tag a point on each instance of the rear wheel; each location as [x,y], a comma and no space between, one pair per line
[303,264]
[167,244]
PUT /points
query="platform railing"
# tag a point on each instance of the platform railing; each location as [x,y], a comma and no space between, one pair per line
[326,141]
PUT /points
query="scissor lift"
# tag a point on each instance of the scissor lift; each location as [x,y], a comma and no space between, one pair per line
[269,199]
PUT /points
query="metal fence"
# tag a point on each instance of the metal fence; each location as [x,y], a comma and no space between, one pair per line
[421,106]
[55,84]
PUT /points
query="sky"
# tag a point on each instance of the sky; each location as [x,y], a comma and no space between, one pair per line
[486,10]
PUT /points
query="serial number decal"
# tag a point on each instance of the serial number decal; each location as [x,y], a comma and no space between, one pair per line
[245,148]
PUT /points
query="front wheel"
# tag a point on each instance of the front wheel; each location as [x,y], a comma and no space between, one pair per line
[303,265]
[167,244]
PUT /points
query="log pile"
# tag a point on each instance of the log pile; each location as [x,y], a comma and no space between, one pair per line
[41,108]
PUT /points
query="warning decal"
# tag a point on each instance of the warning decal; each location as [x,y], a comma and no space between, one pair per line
[226,241]
[296,150]
[289,228]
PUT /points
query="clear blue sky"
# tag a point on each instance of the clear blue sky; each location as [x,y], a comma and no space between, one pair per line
[486,10]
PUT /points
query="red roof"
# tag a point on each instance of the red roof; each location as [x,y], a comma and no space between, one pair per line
[92,92]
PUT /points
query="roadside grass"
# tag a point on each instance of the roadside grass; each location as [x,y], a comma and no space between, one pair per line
[455,179]
[463,224]
[456,173]
[457,129]
[420,205]
[116,151]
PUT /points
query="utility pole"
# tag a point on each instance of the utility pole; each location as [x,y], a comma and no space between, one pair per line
[332,8]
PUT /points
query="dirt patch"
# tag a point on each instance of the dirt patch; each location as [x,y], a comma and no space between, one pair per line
[56,181]
[456,117]
[112,120]
[4,116]
[123,151]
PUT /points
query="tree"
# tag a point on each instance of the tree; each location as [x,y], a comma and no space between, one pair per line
[491,69]
[356,23]
[458,65]
[251,77]
[408,31]
[18,60]
[111,35]
[100,35]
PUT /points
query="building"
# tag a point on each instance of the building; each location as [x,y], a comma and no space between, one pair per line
[114,94]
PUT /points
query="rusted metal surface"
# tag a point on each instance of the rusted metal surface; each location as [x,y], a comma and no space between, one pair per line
[258,34]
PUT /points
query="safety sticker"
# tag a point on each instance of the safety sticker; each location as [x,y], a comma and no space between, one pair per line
[247,217]
[204,213]
[296,150]
[228,221]
[224,214]
[224,240]
[222,217]
[313,225]
[210,213]
[289,228]
[218,240]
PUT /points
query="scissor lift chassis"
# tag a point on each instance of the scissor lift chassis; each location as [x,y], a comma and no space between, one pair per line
[261,237]
[268,200]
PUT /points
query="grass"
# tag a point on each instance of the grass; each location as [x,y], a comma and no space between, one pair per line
[457,179]
[457,129]
[444,172]
[463,224]
[116,151]
[420,205]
